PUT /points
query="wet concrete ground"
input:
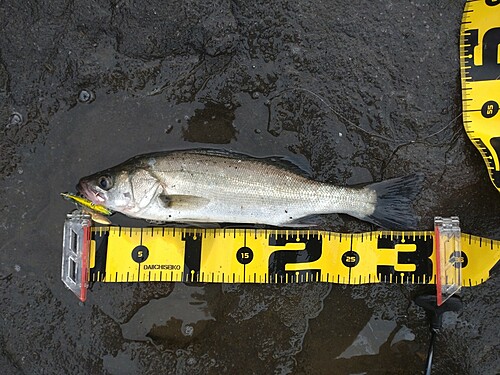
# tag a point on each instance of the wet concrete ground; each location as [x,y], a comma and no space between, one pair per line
[357,91]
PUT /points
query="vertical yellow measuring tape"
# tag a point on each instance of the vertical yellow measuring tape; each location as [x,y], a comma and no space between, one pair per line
[480,72]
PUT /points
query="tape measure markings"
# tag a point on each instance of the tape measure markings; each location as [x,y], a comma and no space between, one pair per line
[278,256]
[480,73]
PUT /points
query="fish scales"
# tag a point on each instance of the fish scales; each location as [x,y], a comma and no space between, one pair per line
[241,186]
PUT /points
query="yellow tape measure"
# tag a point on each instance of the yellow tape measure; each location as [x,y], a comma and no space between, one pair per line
[480,72]
[278,256]
[118,254]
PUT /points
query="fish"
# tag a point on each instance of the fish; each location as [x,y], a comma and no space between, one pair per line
[213,186]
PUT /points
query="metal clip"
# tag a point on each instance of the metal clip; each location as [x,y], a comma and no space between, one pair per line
[76,249]
[448,257]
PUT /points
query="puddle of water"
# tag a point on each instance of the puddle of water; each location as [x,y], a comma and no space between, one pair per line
[212,124]
[370,339]
[185,303]
[404,334]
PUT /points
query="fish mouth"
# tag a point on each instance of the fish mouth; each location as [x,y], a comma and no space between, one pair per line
[92,195]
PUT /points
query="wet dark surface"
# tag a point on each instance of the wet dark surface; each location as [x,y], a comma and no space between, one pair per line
[86,85]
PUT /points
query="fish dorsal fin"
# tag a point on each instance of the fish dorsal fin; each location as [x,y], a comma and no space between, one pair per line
[278,161]
[182,201]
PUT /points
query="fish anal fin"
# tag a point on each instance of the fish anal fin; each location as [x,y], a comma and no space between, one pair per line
[309,221]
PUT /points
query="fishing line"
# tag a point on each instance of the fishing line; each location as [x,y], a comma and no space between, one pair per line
[349,122]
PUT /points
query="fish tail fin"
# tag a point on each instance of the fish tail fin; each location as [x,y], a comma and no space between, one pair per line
[393,209]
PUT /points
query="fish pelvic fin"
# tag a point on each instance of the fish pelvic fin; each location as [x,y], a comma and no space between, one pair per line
[393,207]
[183,201]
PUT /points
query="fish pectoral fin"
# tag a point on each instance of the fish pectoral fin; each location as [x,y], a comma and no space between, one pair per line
[183,201]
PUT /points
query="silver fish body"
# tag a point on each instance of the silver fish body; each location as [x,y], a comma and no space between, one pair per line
[209,186]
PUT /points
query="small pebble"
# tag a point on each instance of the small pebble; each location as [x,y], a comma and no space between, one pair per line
[191,361]
[188,330]
[86,96]
[15,119]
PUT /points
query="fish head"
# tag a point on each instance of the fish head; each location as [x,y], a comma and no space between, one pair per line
[112,189]
[128,188]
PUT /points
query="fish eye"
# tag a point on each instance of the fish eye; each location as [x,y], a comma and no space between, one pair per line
[105,182]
